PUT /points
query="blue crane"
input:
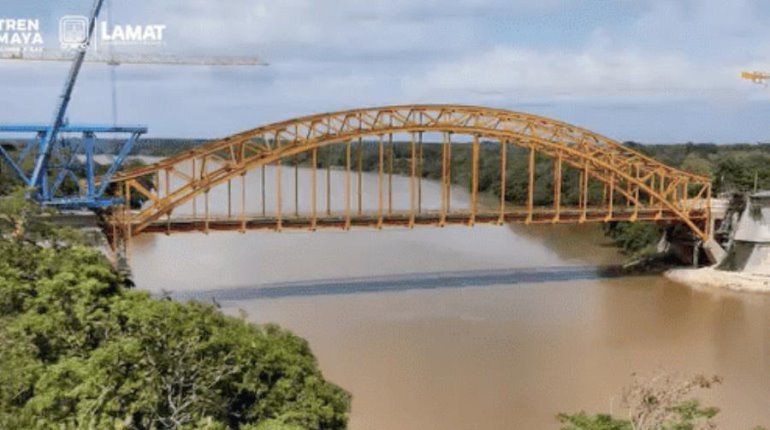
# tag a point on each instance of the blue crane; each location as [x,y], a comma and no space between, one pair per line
[57,159]
[53,165]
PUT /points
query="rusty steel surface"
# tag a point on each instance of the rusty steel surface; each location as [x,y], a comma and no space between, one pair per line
[636,187]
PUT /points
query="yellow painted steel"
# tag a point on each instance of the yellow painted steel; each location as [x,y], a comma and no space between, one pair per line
[243,202]
[444,180]
[328,182]
[264,201]
[206,210]
[503,178]
[296,186]
[557,179]
[347,185]
[448,172]
[647,185]
[360,184]
[419,173]
[584,192]
[278,196]
[390,173]
[756,77]
[610,197]
[229,198]
[474,179]
[313,190]
[412,173]
[380,169]
[530,184]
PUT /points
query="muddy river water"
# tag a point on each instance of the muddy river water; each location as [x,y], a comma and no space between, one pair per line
[522,335]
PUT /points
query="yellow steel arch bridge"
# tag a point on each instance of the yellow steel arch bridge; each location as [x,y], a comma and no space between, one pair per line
[218,186]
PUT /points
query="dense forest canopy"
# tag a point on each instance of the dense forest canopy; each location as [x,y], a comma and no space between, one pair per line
[78,349]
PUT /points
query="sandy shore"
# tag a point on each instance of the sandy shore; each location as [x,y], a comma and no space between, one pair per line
[710,277]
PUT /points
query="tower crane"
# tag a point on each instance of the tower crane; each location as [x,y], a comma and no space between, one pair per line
[56,159]
[120,58]
[116,59]
[756,77]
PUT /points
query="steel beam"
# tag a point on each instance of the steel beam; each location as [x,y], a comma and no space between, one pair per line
[622,171]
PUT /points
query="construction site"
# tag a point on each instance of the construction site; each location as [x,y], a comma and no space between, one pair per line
[397,234]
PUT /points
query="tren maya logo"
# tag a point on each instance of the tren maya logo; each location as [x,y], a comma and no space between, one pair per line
[20,35]
[73,31]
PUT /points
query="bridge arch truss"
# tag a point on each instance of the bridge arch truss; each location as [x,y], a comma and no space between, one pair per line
[633,187]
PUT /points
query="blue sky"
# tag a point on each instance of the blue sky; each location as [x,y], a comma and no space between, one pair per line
[644,70]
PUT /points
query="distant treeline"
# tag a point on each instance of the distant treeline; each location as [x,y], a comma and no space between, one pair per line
[154,147]
[737,168]
[732,167]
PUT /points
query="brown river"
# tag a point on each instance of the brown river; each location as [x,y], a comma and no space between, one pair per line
[473,328]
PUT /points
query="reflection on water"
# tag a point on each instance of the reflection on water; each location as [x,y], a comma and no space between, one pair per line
[508,356]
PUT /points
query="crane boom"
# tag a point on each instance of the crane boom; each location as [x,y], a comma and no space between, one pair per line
[117,59]
[756,77]
[58,118]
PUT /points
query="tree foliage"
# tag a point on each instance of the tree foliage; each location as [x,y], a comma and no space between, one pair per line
[634,238]
[659,401]
[79,350]
[583,421]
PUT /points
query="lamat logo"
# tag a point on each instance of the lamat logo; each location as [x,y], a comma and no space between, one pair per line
[73,33]
[131,35]
[20,35]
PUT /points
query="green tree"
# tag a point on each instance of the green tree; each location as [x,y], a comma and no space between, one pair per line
[634,238]
[583,421]
[659,401]
[79,350]
[696,164]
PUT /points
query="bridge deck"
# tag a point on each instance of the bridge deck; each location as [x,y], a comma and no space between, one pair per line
[406,219]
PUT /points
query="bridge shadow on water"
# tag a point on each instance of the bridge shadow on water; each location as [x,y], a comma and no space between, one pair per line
[405,282]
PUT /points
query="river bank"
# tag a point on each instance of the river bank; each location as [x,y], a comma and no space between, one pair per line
[709,277]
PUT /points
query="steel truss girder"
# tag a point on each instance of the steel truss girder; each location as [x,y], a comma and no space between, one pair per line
[627,172]
[68,160]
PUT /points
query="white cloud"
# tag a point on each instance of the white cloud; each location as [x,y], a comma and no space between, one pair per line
[327,55]
[303,28]
[548,75]
[709,29]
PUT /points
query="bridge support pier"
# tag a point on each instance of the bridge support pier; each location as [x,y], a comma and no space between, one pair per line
[696,253]
[690,249]
[714,251]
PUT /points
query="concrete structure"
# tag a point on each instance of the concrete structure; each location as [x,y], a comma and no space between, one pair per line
[750,250]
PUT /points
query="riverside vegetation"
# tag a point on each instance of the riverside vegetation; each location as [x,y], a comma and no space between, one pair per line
[659,401]
[737,168]
[80,350]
